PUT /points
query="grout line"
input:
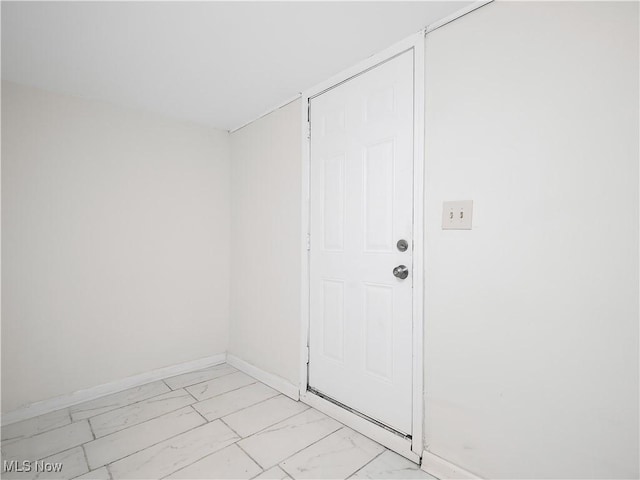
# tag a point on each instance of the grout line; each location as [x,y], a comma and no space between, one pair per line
[64,451]
[50,454]
[258,474]
[243,408]
[195,400]
[91,430]
[254,460]
[119,406]
[70,416]
[240,437]
[199,414]
[384,451]
[215,451]
[8,441]
[214,396]
[198,383]
[148,446]
[158,442]
[109,472]
[196,461]
[140,423]
[57,453]
[298,451]
[172,411]
[86,461]
[276,422]
[162,380]
[69,408]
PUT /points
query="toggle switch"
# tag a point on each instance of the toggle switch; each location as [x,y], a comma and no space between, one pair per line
[457,215]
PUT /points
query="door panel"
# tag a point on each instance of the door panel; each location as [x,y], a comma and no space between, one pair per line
[360,331]
[333,319]
[378,197]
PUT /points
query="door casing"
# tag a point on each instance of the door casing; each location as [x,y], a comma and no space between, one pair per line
[415,43]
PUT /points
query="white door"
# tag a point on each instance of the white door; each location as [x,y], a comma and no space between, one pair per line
[361,201]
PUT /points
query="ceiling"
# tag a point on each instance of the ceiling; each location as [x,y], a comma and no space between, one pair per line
[221,64]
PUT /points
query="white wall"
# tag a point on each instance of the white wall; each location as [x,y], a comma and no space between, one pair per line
[532,317]
[116,233]
[115,243]
[531,324]
[265,242]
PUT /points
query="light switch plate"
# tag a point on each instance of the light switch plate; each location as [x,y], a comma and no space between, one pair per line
[457,215]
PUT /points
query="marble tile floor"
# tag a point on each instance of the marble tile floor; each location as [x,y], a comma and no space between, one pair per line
[216,423]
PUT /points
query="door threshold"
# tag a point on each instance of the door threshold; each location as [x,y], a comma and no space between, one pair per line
[384,435]
[355,412]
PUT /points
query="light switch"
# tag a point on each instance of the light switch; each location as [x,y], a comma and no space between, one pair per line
[457,215]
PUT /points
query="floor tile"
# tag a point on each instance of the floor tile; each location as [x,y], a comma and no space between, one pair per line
[191,378]
[220,385]
[337,456]
[175,453]
[33,426]
[262,415]
[230,462]
[217,422]
[275,443]
[235,400]
[47,443]
[109,422]
[274,473]
[72,463]
[390,465]
[99,474]
[125,442]
[117,400]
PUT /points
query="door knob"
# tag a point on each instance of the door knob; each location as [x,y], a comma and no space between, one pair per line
[401,271]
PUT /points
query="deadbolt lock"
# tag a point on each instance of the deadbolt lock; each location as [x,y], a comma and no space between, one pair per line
[402,245]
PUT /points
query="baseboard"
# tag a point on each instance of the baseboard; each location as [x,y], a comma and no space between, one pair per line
[63,401]
[444,470]
[274,381]
[392,441]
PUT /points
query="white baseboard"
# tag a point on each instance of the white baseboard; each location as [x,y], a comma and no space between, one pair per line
[392,441]
[63,401]
[444,470]
[274,381]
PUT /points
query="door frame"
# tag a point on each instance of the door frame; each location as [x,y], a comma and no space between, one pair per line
[414,450]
